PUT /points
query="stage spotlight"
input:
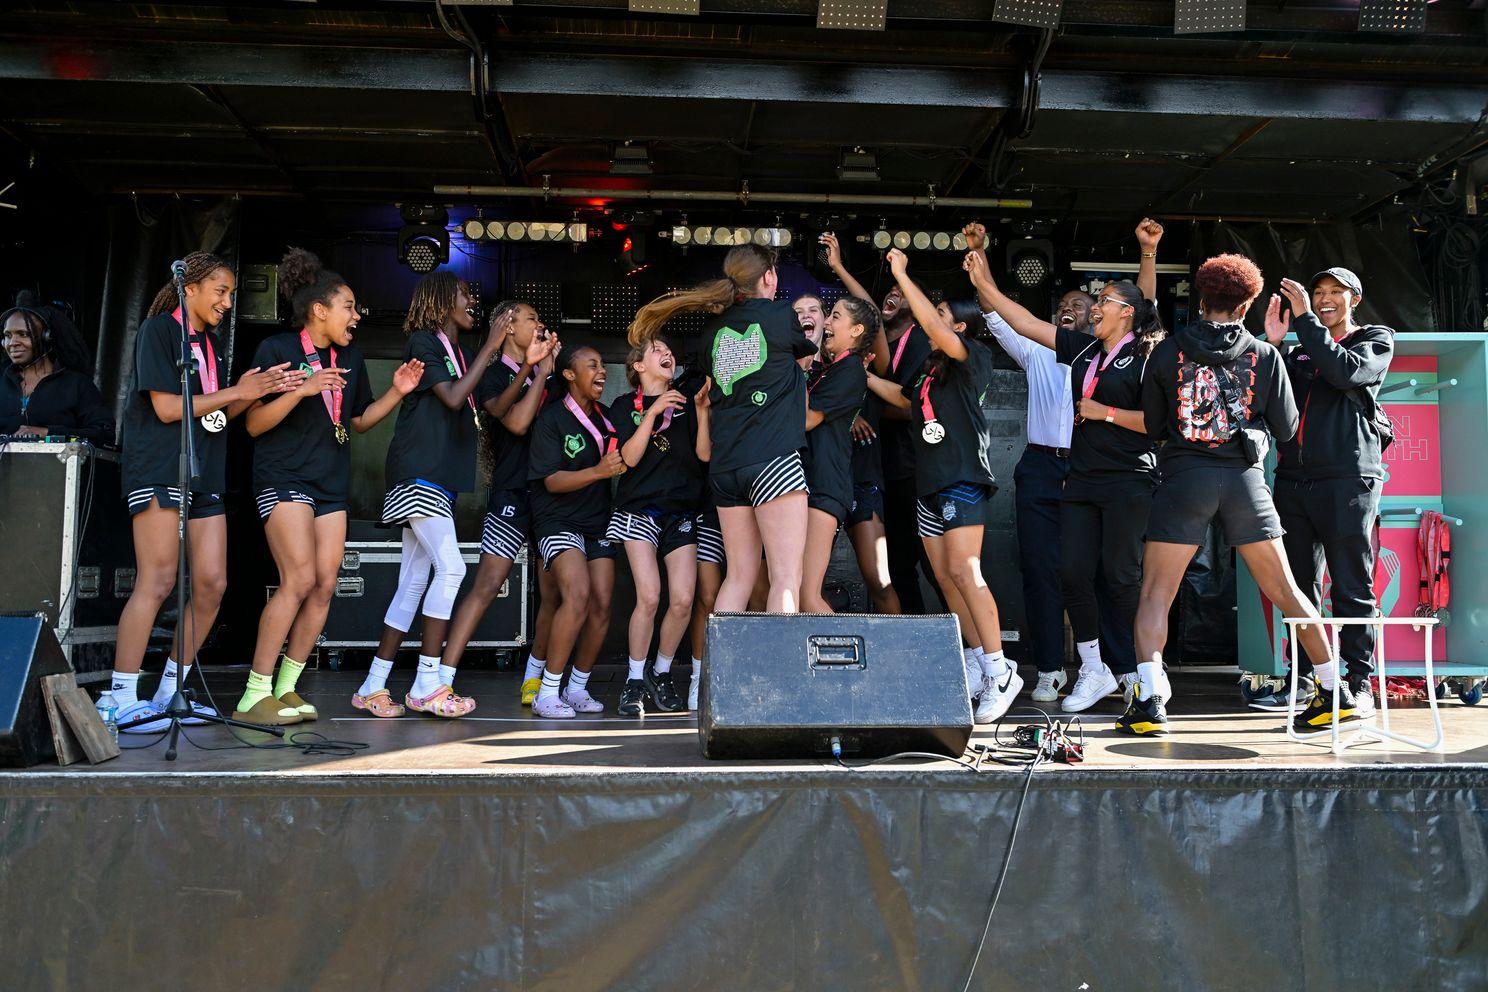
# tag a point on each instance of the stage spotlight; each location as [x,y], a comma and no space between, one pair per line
[703,236]
[882,239]
[901,240]
[852,15]
[940,241]
[742,235]
[1030,261]
[772,237]
[958,241]
[496,231]
[921,240]
[474,229]
[516,231]
[1207,16]
[1031,13]
[723,236]
[578,232]
[858,166]
[681,235]
[423,243]
[1395,16]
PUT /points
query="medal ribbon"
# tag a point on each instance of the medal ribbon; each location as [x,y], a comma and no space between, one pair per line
[459,360]
[332,398]
[812,385]
[899,349]
[594,432]
[206,364]
[517,370]
[666,418]
[927,409]
[1093,374]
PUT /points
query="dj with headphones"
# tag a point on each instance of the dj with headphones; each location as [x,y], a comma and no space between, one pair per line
[46,380]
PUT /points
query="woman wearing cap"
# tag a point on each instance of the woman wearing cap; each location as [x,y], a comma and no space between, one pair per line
[1328,479]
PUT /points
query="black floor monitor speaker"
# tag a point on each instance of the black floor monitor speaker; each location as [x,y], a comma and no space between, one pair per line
[784,686]
[28,650]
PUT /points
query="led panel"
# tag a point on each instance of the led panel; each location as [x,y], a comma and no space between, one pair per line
[1399,16]
[1033,13]
[1203,16]
[686,7]
[546,298]
[852,15]
[615,306]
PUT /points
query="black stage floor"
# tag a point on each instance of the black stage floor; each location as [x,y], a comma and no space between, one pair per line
[502,852]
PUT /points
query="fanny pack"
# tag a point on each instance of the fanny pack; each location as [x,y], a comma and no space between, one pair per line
[1256,444]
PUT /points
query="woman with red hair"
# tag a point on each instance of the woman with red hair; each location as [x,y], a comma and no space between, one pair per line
[1215,395]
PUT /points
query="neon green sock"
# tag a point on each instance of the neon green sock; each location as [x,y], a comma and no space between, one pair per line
[258,688]
[289,674]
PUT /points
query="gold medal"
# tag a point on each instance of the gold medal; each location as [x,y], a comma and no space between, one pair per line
[341,435]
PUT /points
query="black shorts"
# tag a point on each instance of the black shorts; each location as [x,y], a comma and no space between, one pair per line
[200,506]
[269,498]
[594,548]
[966,504]
[757,484]
[507,523]
[828,505]
[666,532]
[709,538]
[867,503]
[1183,504]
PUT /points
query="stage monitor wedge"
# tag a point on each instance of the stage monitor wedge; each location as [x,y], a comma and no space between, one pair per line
[28,651]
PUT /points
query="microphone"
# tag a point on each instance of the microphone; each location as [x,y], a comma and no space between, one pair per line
[178,269]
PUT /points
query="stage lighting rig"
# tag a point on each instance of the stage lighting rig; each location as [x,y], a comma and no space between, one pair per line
[1394,16]
[883,239]
[1030,13]
[852,15]
[1030,261]
[858,166]
[631,160]
[1208,16]
[726,236]
[423,243]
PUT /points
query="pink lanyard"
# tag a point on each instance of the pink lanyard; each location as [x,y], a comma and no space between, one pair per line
[517,370]
[599,440]
[459,363]
[206,364]
[332,398]
[1093,374]
[666,418]
[927,410]
[899,349]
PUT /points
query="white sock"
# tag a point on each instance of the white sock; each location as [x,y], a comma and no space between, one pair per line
[578,681]
[994,665]
[1089,651]
[125,688]
[1149,673]
[427,679]
[447,675]
[550,683]
[697,669]
[376,678]
[663,663]
[167,686]
[637,668]
[1326,675]
[535,666]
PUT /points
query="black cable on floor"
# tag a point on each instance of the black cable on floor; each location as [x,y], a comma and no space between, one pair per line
[1007,859]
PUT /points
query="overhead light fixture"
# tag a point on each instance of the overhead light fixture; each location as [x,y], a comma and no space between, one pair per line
[684,8]
[575,232]
[474,229]
[1394,16]
[921,240]
[681,235]
[1031,261]
[852,15]
[858,166]
[883,239]
[423,243]
[631,160]
[1208,16]
[1030,13]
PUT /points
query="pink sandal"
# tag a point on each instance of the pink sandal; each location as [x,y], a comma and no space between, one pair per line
[442,702]
[379,704]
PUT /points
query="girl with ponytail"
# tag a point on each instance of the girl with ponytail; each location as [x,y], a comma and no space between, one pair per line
[150,474]
[302,474]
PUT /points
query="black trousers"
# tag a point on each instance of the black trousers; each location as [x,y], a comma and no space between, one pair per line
[906,551]
[1332,522]
[1038,487]
[1102,526]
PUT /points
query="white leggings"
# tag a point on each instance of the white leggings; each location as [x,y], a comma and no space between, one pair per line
[428,542]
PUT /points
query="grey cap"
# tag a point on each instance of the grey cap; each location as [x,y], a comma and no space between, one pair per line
[1344,276]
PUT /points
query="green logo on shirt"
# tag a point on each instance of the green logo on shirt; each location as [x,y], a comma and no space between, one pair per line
[636,416]
[449,364]
[573,444]
[758,398]
[305,368]
[736,356]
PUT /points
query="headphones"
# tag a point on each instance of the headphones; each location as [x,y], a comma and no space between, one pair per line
[41,348]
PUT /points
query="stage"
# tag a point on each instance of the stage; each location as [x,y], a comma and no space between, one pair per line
[499,852]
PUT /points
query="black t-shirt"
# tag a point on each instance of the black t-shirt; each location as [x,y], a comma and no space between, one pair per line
[300,452]
[867,458]
[964,454]
[837,393]
[431,441]
[759,392]
[64,404]
[898,448]
[669,476]
[508,450]
[152,447]
[1100,451]
[561,443]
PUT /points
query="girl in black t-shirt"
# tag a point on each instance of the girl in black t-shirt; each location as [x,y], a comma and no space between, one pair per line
[953,475]
[152,439]
[512,392]
[656,507]
[302,474]
[833,397]
[758,399]
[430,458]
[573,455]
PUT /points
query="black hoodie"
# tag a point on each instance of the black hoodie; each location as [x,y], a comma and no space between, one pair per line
[1207,384]
[1336,439]
[66,403]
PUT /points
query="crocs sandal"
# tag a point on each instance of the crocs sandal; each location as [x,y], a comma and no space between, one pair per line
[380,703]
[442,702]
[294,699]
[529,690]
[581,702]
[268,712]
[553,708]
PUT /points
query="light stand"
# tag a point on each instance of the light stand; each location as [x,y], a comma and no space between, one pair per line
[180,706]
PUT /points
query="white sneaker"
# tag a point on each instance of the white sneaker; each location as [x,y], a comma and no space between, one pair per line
[198,710]
[1129,683]
[582,702]
[998,696]
[1049,684]
[692,694]
[1091,686]
[142,708]
[973,676]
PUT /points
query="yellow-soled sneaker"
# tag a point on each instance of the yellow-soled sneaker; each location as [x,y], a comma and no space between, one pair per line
[529,690]
[1144,717]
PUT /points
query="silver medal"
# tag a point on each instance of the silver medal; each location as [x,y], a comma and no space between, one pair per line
[214,422]
[933,432]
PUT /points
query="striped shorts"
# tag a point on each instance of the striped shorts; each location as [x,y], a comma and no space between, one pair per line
[594,548]
[666,532]
[199,506]
[416,498]
[267,499]
[758,484]
[508,521]
[709,538]
[965,504]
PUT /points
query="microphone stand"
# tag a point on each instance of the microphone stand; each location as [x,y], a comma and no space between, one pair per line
[181,706]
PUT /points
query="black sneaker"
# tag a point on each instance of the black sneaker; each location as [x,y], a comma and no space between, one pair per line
[1318,715]
[662,690]
[1144,717]
[633,698]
